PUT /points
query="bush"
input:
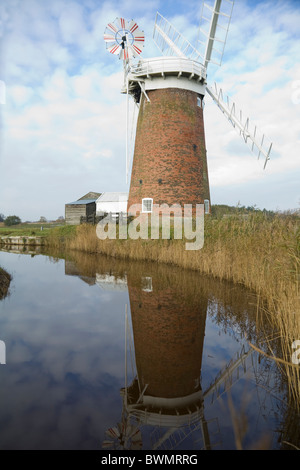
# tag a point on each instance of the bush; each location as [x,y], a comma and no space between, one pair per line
[12,220]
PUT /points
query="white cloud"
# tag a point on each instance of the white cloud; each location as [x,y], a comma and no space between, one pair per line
[2,92]
[20,94]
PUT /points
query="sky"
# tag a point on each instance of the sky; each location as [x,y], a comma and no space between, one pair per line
[63,117]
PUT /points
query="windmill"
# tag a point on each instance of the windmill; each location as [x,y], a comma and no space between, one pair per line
[170,163]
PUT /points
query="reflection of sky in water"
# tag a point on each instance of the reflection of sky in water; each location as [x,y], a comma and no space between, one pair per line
[64,357]
[220,349]
[60,387]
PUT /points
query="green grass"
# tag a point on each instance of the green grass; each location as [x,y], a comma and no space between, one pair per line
[28,230]
[59,235]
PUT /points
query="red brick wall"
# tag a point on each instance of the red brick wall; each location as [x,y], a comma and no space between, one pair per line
[169,163]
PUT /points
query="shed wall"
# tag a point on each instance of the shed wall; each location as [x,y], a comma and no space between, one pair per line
[111,206]
[73,212]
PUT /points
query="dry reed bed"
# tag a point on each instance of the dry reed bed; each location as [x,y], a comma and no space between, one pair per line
[259,252]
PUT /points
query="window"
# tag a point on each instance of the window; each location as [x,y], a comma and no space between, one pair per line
[147,284]
[200,101]
[147,204]
[206,206]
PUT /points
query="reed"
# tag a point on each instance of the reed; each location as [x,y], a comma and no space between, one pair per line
[259,252]
[5,280]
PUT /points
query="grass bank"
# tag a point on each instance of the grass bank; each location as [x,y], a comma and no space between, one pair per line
[27,229]
[260,252]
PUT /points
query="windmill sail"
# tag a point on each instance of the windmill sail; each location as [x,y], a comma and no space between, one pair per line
[213,30]
[171,42]
[258,142]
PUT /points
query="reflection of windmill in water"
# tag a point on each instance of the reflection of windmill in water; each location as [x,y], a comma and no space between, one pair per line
[163,390]
[169,163]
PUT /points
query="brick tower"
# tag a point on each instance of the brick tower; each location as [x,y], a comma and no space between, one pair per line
[169,163]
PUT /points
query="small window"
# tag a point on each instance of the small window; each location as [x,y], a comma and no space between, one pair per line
[200,101]
[206,206]
[147,284]
[147,204]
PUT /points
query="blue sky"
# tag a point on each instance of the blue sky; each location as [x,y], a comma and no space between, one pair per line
[63,116]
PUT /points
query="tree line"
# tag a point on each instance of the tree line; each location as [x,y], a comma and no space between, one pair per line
[10,220]
[15,220]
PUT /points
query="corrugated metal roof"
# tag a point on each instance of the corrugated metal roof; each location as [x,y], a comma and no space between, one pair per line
[113,197]
[81,201]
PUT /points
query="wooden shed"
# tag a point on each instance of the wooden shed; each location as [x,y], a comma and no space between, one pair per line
[84,207]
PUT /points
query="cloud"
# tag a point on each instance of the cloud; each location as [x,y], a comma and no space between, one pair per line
[21,94]
[2,92]
[75,110]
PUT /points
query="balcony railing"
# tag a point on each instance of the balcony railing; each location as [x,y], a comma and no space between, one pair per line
[162,66]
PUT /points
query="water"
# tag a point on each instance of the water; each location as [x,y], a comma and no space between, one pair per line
[108,354]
